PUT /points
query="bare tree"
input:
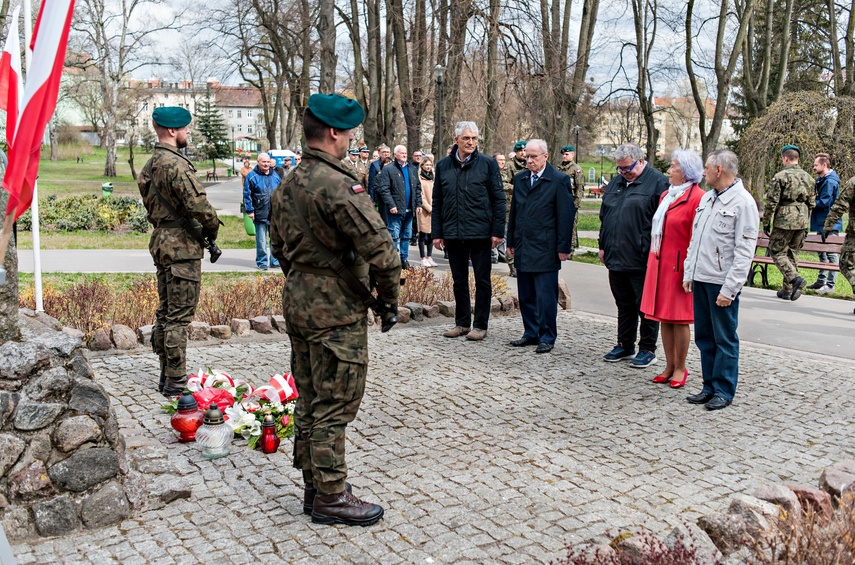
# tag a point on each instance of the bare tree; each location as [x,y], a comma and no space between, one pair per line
[765,53]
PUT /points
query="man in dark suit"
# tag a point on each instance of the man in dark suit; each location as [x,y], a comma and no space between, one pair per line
[374,170]
[540,236]
[398,191]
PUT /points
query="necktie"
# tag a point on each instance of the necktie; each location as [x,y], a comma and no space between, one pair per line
[533,179]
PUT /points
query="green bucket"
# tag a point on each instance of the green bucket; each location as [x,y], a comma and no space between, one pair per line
[248,225]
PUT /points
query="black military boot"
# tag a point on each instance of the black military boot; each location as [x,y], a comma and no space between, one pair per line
[344,508]
[309,493]
[173,387]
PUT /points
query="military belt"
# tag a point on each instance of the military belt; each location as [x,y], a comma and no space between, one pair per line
[359,271]
[169,224]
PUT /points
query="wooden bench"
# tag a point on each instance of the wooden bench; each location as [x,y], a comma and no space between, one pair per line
[596,191]
[813,242]
[211,176]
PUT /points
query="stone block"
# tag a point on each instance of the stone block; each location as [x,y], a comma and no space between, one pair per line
[36,415]
[74,332]
[136,489]
[144,335]
[8,403]
[221,332]
[11,448]
[56,517]
[835,478]
[689,535]
[100,340]
[73,432]
[507,303]
[781,496]
[20,360]
[813,499]
[18,523]
[198,331]
[240,327]
[90,398]
[40,445]
[111,430]
[123,337]
[164,489]
[30,480]
[446,308]
[79,366]
[631,549]
[563,294]
[278,323]
[261,324]
[757,515]
[725,530]
[417,311]
[85,469]
[404,315]
[51,384]
[495,305]
[106,506]
[432,311]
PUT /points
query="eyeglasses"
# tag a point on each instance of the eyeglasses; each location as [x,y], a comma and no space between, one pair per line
[627,169]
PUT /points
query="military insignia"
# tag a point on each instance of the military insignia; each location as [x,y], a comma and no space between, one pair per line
[192,168]
[357,188]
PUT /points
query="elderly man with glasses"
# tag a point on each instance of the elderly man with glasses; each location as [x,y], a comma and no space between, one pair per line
[626,217]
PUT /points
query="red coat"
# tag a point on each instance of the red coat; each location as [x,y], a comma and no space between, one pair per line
[664,298]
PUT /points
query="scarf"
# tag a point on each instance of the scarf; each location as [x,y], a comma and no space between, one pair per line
[674,192]
[426,175]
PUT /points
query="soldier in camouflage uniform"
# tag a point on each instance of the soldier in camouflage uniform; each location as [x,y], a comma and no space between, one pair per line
[517,164]
[326,319]
[789,200]
[845,201]
[569,167]
[177,254]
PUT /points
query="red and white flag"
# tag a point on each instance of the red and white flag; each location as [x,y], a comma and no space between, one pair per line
[50,39]
[11,80]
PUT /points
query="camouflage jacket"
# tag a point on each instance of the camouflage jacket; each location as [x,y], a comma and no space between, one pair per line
[845,201]
[514,166]
[576,175]
[174,177]
[343,218]
[789,199]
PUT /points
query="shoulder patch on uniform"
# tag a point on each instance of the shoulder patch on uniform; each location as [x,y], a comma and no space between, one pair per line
[357,188]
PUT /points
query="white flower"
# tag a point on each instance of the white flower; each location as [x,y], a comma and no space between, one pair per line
[239,418]
[277,407]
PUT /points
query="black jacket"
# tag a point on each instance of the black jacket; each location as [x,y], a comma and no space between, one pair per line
[390,191]
[541,221]
[626,217]
[468,198]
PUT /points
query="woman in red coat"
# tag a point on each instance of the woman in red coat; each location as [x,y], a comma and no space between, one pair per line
[664,299]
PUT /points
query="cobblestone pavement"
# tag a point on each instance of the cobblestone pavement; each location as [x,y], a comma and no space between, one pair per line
[481,453]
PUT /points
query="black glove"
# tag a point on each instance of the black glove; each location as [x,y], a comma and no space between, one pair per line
[825,234]
[388,315]
[767,229]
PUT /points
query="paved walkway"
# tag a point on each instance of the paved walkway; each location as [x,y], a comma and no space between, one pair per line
[480,453]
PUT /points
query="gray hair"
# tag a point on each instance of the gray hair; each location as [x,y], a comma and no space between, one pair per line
[728,161]
[628,151]
[690,164]
[382,147]
[537,144]
[398,148]
[262,156]
[460,126]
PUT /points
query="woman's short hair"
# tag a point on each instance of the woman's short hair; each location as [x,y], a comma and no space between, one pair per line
[690,164]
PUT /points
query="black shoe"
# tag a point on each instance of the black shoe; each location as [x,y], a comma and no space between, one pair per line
[171,392]
[309,493]
[717,403]
[344,508]
[700,398]
[544,347]
[523,341]
[783,294]
[798,284]
[405,264]
[816,286]
[161,384]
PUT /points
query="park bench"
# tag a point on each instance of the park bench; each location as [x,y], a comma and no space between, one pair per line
[813,243]
[596,191]
[211,176]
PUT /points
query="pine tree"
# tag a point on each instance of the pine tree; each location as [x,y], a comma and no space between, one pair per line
[212,128]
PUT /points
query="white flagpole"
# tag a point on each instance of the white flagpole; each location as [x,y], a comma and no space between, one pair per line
[37,254]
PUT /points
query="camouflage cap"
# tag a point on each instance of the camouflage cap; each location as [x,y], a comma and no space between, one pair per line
[519,145]
[171,117]
[793,147]
[336,111]
[567,148]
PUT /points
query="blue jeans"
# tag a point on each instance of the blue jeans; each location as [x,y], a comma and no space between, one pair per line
[401,229]
[538,294]
[262,242]
[828,276]
[715,336]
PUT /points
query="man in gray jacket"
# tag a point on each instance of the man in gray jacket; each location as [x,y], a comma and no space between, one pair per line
[724,236]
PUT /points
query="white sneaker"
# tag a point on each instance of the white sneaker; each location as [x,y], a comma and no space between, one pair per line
[431,262]
[425,262]
[827,289]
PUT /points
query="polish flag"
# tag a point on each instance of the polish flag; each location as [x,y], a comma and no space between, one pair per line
[50,39]
[11,81]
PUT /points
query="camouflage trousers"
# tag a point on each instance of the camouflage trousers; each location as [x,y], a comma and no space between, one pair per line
[575,242]
[784,247]
[329,367]
[847,259]
[178,291]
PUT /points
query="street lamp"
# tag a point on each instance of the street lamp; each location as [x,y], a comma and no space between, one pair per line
[602,151]
[578,153]
[234,149]
[439,69]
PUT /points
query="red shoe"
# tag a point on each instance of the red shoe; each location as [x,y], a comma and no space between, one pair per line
[661,379]
[679,384]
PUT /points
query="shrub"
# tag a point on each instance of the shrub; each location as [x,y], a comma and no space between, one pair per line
[88,212]
[245,298]
[84,305]
[649,551]
[425,286]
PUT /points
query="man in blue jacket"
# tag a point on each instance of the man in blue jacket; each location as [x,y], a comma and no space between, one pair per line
[468,219]
[540,237]
[399,191]
[827,190]
[626,218]
[260,182]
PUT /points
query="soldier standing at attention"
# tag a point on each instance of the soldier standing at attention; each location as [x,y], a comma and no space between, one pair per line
[326,319]
[170,178]
[789,200]
[845,201]
[517,164]
[569,167]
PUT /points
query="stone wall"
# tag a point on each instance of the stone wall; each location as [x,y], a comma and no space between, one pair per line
[62,458]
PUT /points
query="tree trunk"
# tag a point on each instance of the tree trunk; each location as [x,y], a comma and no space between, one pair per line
[491,120]
[326,33]
[9,290]
[54,146]
[374,100]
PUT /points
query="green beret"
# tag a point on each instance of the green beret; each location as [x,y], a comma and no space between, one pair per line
[567,148]
[171,117]
[336,111]
[793,147]
[519,145]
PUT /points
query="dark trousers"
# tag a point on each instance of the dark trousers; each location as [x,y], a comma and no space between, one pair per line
[716,338]
[627,287]
[459,253]
[538,294]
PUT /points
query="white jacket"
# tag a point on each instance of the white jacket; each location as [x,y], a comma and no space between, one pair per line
[724,236]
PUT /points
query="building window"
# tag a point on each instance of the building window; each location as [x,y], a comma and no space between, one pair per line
[249,113]
[248,129]
[238,114]
[230,113]
[240,127]
[160,105]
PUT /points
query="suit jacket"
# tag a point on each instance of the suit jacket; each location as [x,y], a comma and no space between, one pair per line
[390,191]
[541,220]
